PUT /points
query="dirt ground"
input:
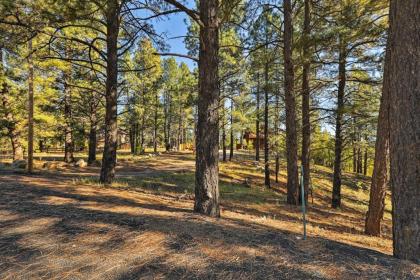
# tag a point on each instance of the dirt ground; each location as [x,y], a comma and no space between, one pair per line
[61,224]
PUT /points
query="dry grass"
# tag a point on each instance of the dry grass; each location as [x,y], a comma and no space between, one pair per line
[61,224]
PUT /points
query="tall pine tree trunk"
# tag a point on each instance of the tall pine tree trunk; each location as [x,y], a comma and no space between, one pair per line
[30,165]
[68,128]
[92,134]
[365,161]
[306,125]
[207,158]
[336,193]
[155,124]
[359,159]
[223,135]
[257,122]
[231,132]
[109,158]
[276,132]
[179,133]
[266,148]
[291,134]
[379,177]
[404,121]
[354,157]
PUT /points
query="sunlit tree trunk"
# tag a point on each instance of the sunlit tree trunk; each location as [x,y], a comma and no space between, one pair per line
[223,135]
[207,146]
[365,161]
[231,132]
[30,165]
[68,128]
[404,121]
[379,177]
[111,95]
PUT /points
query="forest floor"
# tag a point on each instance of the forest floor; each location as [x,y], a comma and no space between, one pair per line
[61,224]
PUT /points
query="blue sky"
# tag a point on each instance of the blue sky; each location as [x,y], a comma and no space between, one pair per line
[174,26]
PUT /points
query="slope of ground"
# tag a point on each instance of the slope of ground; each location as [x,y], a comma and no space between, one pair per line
[61,224]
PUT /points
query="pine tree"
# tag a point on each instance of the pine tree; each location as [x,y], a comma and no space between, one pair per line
[404,127]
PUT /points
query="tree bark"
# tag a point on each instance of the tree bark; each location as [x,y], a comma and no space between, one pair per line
[404,118]
[111,130]
[257,122]
[291,135]
[306,124]
[207,158]
[379,177]
[276,132]
[365,161]
[155,125]
[142,128]
[30,166]
[336,193]
[223,134]
[179,133]
[266,147]
[92,134]
[169,124]
[131,132]
[354,158]
[68,120]
[165,121]
[231,132]
[359,160]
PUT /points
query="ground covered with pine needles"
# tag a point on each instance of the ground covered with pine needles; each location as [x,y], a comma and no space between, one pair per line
[61,224]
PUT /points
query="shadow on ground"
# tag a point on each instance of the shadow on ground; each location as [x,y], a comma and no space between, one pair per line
[53,229]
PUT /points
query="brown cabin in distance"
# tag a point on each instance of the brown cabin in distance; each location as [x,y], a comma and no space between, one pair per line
[251,140]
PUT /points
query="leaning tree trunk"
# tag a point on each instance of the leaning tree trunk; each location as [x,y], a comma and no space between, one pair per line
[336,193]
[207,158]
[379,177]
[306,124]
[291,134]
[404,117]
[109,158]
[30,166]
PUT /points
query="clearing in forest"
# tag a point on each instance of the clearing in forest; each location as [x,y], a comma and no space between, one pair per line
[61,224]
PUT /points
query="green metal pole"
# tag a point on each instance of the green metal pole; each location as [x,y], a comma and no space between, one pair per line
[303,202]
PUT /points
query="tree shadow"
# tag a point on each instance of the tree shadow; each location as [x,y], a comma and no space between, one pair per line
[184,234]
